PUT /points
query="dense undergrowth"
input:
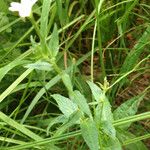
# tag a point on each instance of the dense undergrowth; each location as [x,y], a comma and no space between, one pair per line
[74,75]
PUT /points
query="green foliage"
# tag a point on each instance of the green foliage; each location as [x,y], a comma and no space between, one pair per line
[53,44]
[125,135]
[81,101]
[90,133]
[128,108]
[45,18]
[65,105]
[40,65]
[3,6]
[51,64]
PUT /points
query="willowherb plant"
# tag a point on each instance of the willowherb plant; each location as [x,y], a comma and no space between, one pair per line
[52,85]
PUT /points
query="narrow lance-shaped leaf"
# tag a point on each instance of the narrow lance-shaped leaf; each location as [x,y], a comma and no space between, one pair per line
[81,101]
[103,114]
[40,65]
[105,118]
[90,133]
[133,56]
[96,91]
[67,81]
[44,17]
[128,108]
[53,45]
[65,105]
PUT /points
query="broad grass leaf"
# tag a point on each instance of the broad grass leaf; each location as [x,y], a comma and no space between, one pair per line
[128,108]
[96,91]
[133,56]
[81,101]
[90,133]
[62,12]
[19,127]
[4,70]
[40,65]
[15,84]
[65,105]
[126,135]
[53,44]
[67,81]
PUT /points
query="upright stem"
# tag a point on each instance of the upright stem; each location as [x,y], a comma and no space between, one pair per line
[43,42]
[92,53]
[98,6]
[31,18]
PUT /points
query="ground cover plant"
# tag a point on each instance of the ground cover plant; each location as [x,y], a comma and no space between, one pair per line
[74,75]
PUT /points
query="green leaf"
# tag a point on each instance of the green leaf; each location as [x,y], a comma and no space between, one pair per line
[126,135]
[62,12]
[109,143]
[106,110]
[72,120]
[133,56]
[4,70]
[4,21]
[103,110]
[108,129]
[40,65]
[104,118]
[56,120]
[96,91]
[107,119]
[128,108]
[67,81]
[14,84]
[90,133]
[44,18]
[65,105]
[10,140]
[53,44]
[81,101]
[19,127]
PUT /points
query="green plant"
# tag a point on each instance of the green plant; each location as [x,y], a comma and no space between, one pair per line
[48,99]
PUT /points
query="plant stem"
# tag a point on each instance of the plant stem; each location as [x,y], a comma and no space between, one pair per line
[42,40]
[31,18]
[98,7]
[130,141]
[92,52]
[134,118]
